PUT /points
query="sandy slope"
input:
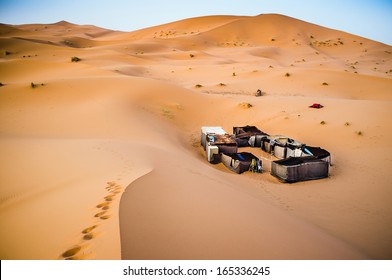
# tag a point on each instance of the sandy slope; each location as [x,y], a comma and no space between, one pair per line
[101,160]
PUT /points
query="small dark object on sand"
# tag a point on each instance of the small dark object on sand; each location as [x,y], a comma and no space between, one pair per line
[316,105]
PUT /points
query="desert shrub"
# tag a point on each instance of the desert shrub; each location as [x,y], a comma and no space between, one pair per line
[234,74]
[167,113]
[325,84]
[245,105]
[359,133]
[287,74]
[75,59]
[323,123]
[347,124]
[192,55]
[222,84]
[33,85]
[198,86]
[1,84]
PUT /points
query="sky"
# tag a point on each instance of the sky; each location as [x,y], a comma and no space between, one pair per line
[368,18]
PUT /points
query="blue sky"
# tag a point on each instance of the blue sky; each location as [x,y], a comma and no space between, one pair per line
[368,18]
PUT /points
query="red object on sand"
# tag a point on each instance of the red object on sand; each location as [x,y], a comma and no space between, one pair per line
[316,105]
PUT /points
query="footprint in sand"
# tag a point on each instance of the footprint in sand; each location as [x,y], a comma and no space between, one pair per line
[88,236]
[104,204]
[71,252]
[89,229]
[89,233]
[100,214]
[109,197]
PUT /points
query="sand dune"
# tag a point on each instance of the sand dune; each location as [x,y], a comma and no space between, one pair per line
[101,158]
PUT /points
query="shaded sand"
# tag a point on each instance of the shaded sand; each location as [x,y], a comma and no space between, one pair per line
[127,117]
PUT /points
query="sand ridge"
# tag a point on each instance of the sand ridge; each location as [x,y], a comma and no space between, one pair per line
[129,113]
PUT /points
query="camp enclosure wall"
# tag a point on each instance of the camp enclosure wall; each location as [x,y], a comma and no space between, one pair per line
[299,169]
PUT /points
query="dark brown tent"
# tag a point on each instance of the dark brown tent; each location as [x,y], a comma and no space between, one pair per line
[241,162]
[299,169]
[226,143]
[318,152]
[248,136]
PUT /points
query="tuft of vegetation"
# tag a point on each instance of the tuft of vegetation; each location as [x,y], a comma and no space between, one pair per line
[192,55]
[33,85]
[359,133]
[1,84]
[7,52]
[273,40]
[325,84]
[323,123]
[287,74]
[347,124]
[75,59]
[222,84]
[234,74]
[198,86]
[245,105]
[167,113]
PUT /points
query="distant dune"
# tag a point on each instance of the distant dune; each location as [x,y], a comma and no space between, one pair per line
[100,141]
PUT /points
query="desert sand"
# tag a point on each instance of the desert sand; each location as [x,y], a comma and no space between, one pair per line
[101,158]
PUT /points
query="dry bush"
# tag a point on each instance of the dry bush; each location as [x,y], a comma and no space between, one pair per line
[75,59]
[245,105]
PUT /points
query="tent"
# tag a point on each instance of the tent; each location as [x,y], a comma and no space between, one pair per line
[299,169]
[226,142]
[318,152]
[276,145]
[248,136]
[295,149]
[210,129]
[241,162]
